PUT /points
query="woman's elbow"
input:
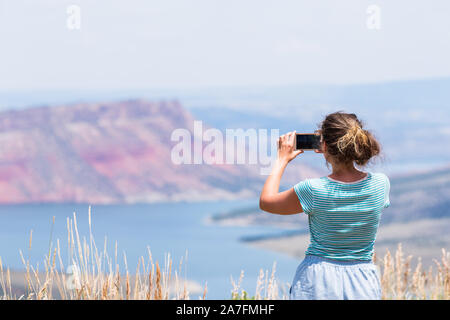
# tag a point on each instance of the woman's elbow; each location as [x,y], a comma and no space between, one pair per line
[264,205]
[261,203]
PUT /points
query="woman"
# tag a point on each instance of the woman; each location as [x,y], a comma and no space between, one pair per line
[343,211]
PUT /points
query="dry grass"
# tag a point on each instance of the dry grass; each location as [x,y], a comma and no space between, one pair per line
[93,275]
[399,281]
[267,287]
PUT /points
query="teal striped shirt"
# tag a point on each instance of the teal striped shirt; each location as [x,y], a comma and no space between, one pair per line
[343,217]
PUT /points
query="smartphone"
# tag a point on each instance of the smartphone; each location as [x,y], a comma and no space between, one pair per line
[307,141]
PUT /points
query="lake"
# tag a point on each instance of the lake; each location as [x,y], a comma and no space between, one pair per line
[214,253]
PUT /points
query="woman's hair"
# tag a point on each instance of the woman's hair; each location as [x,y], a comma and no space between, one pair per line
[347,140]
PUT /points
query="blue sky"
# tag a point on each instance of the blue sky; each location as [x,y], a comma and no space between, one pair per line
[194,43]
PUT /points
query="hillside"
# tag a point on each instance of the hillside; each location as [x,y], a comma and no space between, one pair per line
[117,152]
[420,196]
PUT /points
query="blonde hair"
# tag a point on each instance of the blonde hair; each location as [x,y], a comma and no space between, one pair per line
[347,140]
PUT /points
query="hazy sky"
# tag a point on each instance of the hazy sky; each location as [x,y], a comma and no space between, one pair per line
[190,43]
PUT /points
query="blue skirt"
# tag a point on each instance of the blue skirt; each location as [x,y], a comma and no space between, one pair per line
[320,278]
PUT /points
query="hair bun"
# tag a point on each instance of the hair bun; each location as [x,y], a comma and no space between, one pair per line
[346,139]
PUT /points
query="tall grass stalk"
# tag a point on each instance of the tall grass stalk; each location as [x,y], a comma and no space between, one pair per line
[94,275]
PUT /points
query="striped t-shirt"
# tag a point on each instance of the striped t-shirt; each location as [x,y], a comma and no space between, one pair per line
[343,217]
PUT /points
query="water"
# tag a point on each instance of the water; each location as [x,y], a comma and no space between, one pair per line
[214,253]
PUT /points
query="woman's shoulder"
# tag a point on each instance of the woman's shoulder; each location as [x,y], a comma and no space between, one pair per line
[324,181]
[371,177]
[380,176]
[315,183]
[310,183]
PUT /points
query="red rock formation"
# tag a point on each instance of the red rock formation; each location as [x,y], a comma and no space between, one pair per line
[102,153]
[108,153]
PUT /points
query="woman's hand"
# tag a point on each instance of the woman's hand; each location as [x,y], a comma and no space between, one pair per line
[271,200]
[286,147]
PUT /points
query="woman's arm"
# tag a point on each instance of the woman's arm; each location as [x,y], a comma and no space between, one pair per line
[271,200]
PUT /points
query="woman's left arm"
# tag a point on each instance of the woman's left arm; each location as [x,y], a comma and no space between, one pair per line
[271,200]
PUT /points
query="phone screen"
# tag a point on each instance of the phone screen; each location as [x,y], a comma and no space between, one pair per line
[308,141]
